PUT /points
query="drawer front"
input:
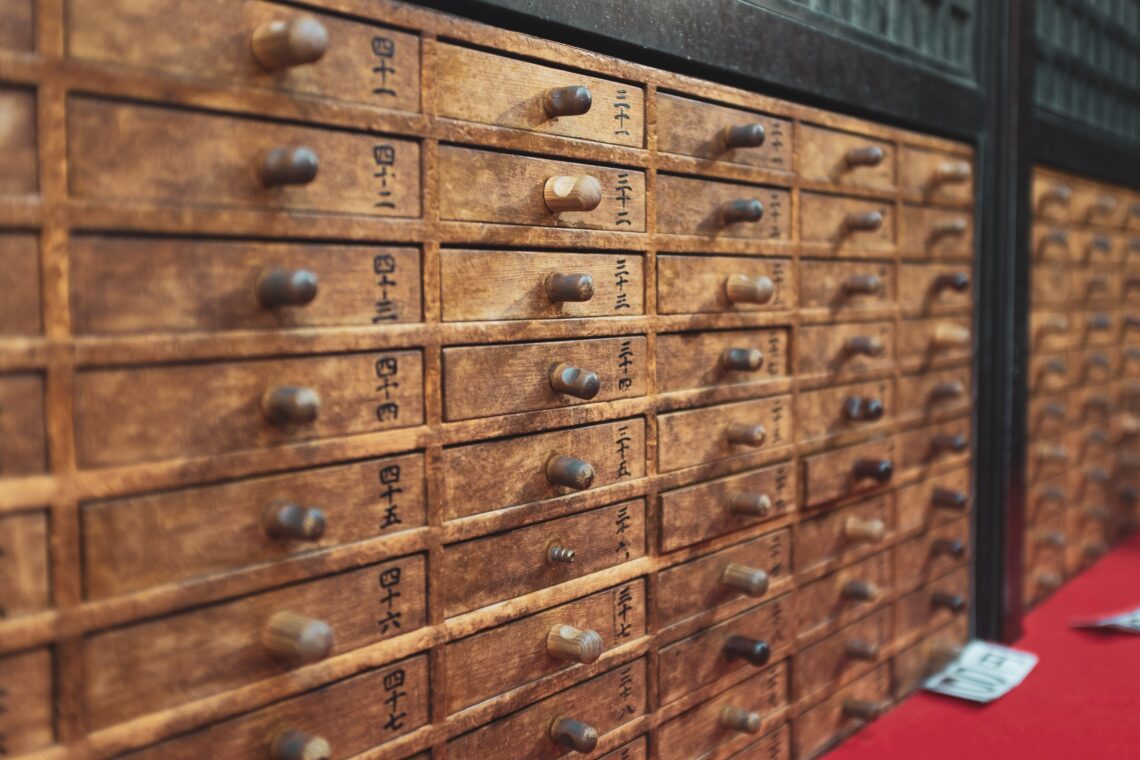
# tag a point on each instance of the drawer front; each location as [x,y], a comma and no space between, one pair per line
[192,285]
[1053,331]
[842,158]
[487,570]
[846,472]
[719,507]
[936,233]
[698,436]
[702,284]
[472,85]
[846,350]
[695,586]
[487,476]
[362,63]
[112,145]
[822,725]
[604,703]
[484,381]
[931,394]
[933,553]
[915,664]
[482,186]
[844,225]
[842,597]
[835,288]
[1054,284]
[930,174]
[842,536]
[20,283]
[353,716]
[1047,202]
[18,32]
[935,500]
[705,359]
[934,288]
[927,343]
[928,607]
[124,416]
[858,647]
[1051,373]
[506,285]
[496,661]
[775,746]
[26,701]
[181,658]
[1053,414]
[1049,495]
[695,128]
[137,542]
[24,586]
[23,437]
[688,206]
[1049,242]
[845,411]
[938,446]
[20,174]
[700,731]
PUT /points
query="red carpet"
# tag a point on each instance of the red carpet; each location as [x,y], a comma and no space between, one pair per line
[1081,701]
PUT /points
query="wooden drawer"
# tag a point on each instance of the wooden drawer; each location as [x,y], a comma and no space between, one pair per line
[24,579]
[1056,284]
[699,129]
[713,284]
[758,700]
[473,85]
[847,226]
[1052,197]
[483,477]
[18,32]
[1094,203]
[932,553]
[604,703]
[181,658]
[698,436]
[361,62]
[189,285]
[845,412]
[843,158]
[840,598]
[20,283]
[936,233]
[934,289]
[1098,328]
[135,542]
[838,288]
[488,570]
[1048,495]
[938,177]
[846,351]
[1100,285]
[26,701]
[23,438]
[1047,457]
[713,359]
[1051,373]
[1043,577]
[719,507]
[484,381]
[934,394]
[124,416]
[928,343]
[112,147]
[936,446]
[352,716]
[933,605]
[698,585]
[687,206]
[1052,331]
[1052,243]
[934,500]
[493,662]
[500,188]
[777,745]
[915,664]
[842,536]
[705,657]
[857,648]
[19,174]
[507,285]
[1053,414]
[850,471]
[836,717]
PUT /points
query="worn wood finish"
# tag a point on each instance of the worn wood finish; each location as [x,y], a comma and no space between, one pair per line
[20,283]
[695,128]
[840,657]
[935,289]
[701,360]
[918,611]
[834,353]
[846,412]
[827,722]
[687,206]
[697,284]
[20,175]
[936,176]
[827,222]
[837,599]
[838,474]
[827,155]
[23,434]
[26,698]
[914,664]
[833,539]
[936,233]
[935,500]
[698,436]
[933,553]
[930,395]
[24,582]
[839,290]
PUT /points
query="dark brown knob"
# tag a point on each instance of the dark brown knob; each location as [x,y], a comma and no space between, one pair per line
[871,155]
[746,580]
[287,521]
[280,44]
[1098,513]
[286,287]
[952,172]
[738,719]
[863,409]
[880,470]
[864,344]
[863,284]
[288,166]
[1100,244]
[567,101]
[858,530]
[1099,361]
[557,554]
[861,649]
[1095,550]
[862,709]
[1132,282]
[1131,321]
[950,498]
[1061,194]
[945,600]
[1055,367]
[1097,283]
[290,406]
[569,287]
[297,640]
[741,210]
[949,389]
[298,745]
[573,734]
[952,442]
[575,382]
[1054,494]
[860,591]
[952,227]
[750,505]
[740,434]
[1055,409]
[741,288]
[753,651]
[1104,205]
[1098,437]
[956,281]
[743,136]
[949,547]
[866,221]
[565,642]
[571,193]
[742,359]
[569,472]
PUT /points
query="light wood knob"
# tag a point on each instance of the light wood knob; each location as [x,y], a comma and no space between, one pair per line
[949,389]
[290,406]
[740,288]
[858,530]
[741,210]
[950,336]
[286,287]
[948,601]
[567,101]
[750,505]
[1054,539]
[296,639]
[1049,580]
[952,172]
[1104,205]
[740,434]
[569,472]
[954,443]
[284,520]
[950,498]
[863,284]
[861,649]
[959,282]
[862,709]
[573,734]
[572,193]
[863,408]
[952,227]
[742,359]
[1054,323]
[280,44]
[747,580]
[866,345]
[557,554]
[1052,453]
[871,155]
[1060,194]
[738,719]
[566,642]
[743,136]
[575,382]
[879,470]
[753,651]
[298,745]
[569,287]
[860,591]
[948,547]
[288,166]
[865,221]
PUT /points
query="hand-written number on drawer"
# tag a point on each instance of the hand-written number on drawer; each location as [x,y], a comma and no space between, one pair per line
[625,694]
[387,370]
[773,353]
[393,683]
[389,583]
[625,361]
[622,443]
[390,479]
[383,51]
[624,197]
[621,112]
[384,158]
[621,525]
[384,267]
[621,279]
[622,608]
[776,554]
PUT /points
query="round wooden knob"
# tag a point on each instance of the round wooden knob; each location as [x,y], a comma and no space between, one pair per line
[573,734]
[959,282]
[863,284]
[1052,453]
[948,547]
[1131,320]
[750,505]
[954,443]
[569,472]
[287,521]
[286,287]
[865,221]
[858,530]
[865,345]
[861,649]
[740,288]
[1055,367]
[1099,361]
[863,408]
[860,591]
[945,600]
[943,651]
[1055,238]
[949,389]
[567,101]
[753,651]
[1055,323]
[862,709]
[952,227]
[566,642]
[280,44]
[1049,580]
[1097,513]
[741,210]
[1100,402]
[1055,409]
[872,155]
[743,136]
[298,745]
[880,470]
[296,639]
[290,406]
[575,382]
[1052,538]
[1097,475]
[288,166]
[1104,205]
[740,434]
[1100,244]
[1097,283]
[742,359]
[1060,194]
[1054,494]
[952,172]
[739,719]
[950,498]
[950,336]
[557,554]
[572,193]
[747,580]
[569,287]
[1098,437]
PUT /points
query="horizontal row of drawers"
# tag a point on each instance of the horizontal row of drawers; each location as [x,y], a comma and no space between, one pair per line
[1051,373]
[1081,202]
[1058,330]
[1109,404]
[1053,244]
[1084,286]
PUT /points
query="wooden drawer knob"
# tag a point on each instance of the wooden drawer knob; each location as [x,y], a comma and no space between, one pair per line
[572,193]
[747,580]
[858,530]
[1098,513]
[753,651]
[863,408]
[865,345]
[741,210]
[288,166]
[959,282]
[1049,580]
[298,745]
[871,155]
[863,284]
[1055,367]
[286,287]
[569,472]
[573,734]
[567,101]
[296,639]
[954,443]
[953,227]
[861,649]
[740,288]
[557,554]
[865,221]
[950,336]
[860,591]
[280,44]
[1132,282]
[739,719]
[1054,409]
[575,382]
[1100,244]
[1099,322]
[1060,194]
[742,359]
[943,651]
[284,520]
[1054,494]
[948,601]
[1098,283]
[1049,453]
[1055,323]
[1104,205]
[1054,539]
[1131,320]
[1099,361]
[952,172]
[741,434]
[879,470]
[290,406]
[1058,238]
[950,498]
[1098,437]
[566,642]
[948,547]
[569,287]
[750,505]
[949,389]
[743,136]
[862,709]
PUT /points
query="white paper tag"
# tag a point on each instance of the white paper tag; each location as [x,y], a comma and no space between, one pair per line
[1125,621]
[982,672]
